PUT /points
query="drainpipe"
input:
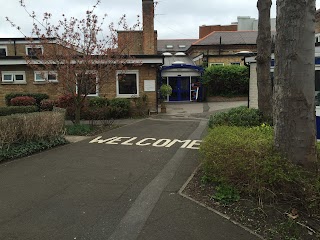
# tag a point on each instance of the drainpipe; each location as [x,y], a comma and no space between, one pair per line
[15,47]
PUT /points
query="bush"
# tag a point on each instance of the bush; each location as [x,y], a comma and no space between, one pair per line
[78,129]
[23,101]
[37,96]
[5,111]
[29,127]
[27,148]
[240,116]
[244,159]
[95,113]
[98,102]
[119,107]
[226,80]
[47,105]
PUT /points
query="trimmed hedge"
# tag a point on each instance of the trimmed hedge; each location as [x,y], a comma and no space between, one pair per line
[5,111]
[23,101]
[19,128]
[240,116]
[230,80]
[37,96]
[119,107]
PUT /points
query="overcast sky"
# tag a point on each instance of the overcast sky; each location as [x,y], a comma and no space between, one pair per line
[173,18]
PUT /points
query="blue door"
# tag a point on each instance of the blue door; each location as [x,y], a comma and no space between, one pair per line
[180,88]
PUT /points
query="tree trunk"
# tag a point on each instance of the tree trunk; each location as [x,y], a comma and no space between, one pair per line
[264,59]
[294,90]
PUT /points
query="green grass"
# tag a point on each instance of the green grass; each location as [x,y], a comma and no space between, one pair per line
[79,129]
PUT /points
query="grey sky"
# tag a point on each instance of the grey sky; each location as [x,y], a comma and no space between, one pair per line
[173,19]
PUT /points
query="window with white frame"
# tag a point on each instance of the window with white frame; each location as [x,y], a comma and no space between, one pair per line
[216,64]
[3,51]
[87,84]
[15,77]
[235,63]
[42,76]
[34,50]
[127,83]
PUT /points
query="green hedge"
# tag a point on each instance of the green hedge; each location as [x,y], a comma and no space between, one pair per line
[5,111]
[240,116]
[37,96]
[230,80]
[119,107]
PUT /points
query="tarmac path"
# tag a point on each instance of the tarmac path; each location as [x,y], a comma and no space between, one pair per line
[121,185]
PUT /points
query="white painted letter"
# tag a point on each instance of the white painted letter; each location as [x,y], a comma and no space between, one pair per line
[159,144]
[97,140]
[116,141]
[195,143]
[128,142]
[140,143]
[186,143]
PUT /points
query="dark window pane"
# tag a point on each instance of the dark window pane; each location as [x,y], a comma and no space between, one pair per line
[87,84]
[52,77]
[3,52]
[317,81]
[19,77]
[34,51]
[127,84]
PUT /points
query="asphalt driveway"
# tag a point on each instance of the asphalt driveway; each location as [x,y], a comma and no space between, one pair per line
[120,185]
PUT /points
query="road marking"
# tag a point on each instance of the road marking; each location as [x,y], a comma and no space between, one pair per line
[159,143]
[134,220]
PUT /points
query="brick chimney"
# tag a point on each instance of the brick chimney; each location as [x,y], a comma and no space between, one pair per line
[149,35]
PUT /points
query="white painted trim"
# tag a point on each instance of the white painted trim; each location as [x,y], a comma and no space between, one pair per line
[198,58]
[45,73]
[24,41]
[216,64]
[137,83]
[133,61]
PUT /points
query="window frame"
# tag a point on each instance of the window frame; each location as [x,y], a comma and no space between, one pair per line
[97,84]
[120,72]
[216,64]
[13,77]
[6,49]
[235,63]
[46,76]
[33,46]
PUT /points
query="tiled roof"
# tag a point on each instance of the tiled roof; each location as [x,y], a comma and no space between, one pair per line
[229,38]
[175,43]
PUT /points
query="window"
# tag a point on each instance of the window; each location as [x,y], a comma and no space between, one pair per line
[17,77]
[235,63]
[127,83]
[169,46]
[87,84]
[34,50]
[3,51]
[182,46]
[317,80]
[42,76]
[216,64]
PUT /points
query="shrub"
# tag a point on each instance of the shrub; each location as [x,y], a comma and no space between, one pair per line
[47,105]
[240,116]
[37,96]
[98,102]
[119,107]
[30,147]
[23,101]
[165,90]
[28,127]
[244,159]
[78,129]
[5,111]
[95,113]
[226,80]
[65,101]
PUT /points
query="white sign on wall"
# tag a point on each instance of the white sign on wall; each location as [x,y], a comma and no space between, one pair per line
[149,85]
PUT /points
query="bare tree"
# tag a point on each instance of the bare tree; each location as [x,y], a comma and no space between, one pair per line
[264,59]
[294,108]
[78,51]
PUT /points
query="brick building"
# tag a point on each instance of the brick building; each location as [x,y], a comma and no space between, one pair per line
[138,78]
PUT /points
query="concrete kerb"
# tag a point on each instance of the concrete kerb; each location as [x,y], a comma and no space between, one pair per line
[211,209]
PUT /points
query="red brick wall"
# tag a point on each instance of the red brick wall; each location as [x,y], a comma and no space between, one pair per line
[205,30]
